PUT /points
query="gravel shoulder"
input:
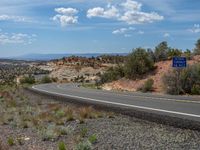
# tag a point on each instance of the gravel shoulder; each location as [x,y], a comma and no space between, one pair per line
[112,131]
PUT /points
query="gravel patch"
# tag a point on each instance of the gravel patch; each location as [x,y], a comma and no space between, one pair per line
[118,132]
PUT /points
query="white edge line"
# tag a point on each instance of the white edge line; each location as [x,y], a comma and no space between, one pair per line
[157,98]
[120,104]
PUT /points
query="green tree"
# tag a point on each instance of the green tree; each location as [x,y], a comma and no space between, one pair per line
[197,48]
[161,51]
[173,52]
[187,54]
[138,63]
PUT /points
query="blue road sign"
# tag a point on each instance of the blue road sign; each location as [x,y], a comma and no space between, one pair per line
[179,62]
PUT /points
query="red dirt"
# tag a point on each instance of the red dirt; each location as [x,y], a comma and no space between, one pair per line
[132,85]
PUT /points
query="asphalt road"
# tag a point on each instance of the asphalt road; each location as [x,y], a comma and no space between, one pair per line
[184,107]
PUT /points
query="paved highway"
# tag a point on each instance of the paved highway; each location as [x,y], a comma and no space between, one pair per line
[184,107]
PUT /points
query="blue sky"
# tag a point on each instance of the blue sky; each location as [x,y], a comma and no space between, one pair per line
[85,26]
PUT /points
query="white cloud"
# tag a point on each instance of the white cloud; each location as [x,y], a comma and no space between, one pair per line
[136,17]
[16,38]
[110,12]
[195,29]
[66,16]
[166,35]
[14,18]
[119,31]
[129,12]
[132,5]
[66,11]
[123,30]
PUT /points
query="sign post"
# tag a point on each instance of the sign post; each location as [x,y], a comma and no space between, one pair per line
[179,63]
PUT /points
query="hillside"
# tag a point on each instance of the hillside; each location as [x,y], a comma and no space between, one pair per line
[132,85]
[80,69]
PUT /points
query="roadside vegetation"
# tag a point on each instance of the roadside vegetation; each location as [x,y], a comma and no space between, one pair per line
[141,62]
[9,72]
[184,81]
[51,120]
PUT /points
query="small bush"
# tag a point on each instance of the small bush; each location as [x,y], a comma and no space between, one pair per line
[112,74]
[195,90]
[61,146]
[86,112]
[11,141]
[148,86]
[65,130]
[69,112]
[83,132]
[92,139]
[183,81]
[84,146]
[49,134]
[28,80]
[60,113]
[46,79]
[173,52]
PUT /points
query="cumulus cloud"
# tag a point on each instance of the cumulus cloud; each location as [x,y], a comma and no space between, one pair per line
[16,38]
[14,18]
[129,12]
[195,29]
[110,12]
[136,17]
[132,5]
[66,16]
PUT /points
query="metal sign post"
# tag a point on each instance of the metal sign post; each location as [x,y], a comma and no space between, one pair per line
[179,63]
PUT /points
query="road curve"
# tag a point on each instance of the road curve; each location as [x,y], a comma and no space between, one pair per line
[184,107]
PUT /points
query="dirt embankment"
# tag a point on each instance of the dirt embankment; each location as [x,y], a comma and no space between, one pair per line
[162,68]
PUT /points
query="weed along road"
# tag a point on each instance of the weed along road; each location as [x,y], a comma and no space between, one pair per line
[186,108]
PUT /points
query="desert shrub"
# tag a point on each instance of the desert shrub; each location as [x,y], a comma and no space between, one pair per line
[148,86]
[195,90]
[65,130]
[83,132]
[183,81]
[11,141]
[60,113]
[187,54]
[69,114]
[92,139]
[84,146]
[62,146]
[46,79]
[112,74]
[28,80]
[87,112]
[173,52]
[138,63]
[49,134]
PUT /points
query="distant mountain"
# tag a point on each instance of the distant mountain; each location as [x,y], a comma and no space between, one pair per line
[46,57]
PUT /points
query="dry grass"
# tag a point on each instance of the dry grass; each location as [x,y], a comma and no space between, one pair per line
[22,112]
